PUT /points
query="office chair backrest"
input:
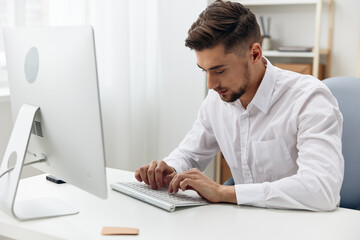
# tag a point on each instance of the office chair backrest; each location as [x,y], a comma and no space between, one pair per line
[347,92]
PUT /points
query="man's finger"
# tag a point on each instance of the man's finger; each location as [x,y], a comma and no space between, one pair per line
[159,172]
[138,176]
[174,184]
[151,175]
[143,174]
[185,184]
[167,179]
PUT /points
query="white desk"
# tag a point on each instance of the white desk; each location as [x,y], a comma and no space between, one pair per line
[217,221]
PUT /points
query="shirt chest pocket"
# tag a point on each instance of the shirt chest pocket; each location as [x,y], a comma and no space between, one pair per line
[271,159]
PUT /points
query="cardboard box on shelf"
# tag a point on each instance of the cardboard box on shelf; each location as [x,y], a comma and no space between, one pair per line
[303,68]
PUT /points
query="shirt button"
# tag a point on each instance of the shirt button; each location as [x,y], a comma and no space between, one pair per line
[243,145]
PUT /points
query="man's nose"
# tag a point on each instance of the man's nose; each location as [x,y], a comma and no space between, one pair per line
[212,81]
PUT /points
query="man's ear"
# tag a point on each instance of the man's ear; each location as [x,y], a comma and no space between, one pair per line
[256,53]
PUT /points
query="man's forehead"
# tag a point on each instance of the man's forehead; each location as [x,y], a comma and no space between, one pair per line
[215,57]
[208,58]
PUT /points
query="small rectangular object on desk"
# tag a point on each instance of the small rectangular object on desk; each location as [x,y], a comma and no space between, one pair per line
[119,231]
[161,197]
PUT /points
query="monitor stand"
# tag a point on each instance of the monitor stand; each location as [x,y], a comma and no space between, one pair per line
[16,150]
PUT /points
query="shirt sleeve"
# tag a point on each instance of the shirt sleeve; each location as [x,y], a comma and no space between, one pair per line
[198,147]
[317,183]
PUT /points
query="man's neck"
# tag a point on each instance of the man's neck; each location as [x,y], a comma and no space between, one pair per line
[256,77]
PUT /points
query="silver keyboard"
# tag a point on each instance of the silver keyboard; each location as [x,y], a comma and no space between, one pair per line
[161,197]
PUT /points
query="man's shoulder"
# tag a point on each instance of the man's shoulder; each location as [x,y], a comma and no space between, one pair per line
[300,89]
[297,82]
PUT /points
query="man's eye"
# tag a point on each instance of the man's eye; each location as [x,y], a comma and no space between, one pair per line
[220,71]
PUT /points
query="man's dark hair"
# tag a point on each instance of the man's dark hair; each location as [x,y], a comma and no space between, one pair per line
[228,23]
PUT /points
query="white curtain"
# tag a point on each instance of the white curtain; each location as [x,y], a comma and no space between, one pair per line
[150,86]
[128,53]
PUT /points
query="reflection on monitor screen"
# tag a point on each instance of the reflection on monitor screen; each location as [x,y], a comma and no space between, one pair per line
[55,101]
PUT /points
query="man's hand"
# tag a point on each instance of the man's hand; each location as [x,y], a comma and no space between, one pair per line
[156,174]
[204,186]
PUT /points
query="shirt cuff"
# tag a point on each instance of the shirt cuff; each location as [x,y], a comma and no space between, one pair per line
[174,164]
[250,194]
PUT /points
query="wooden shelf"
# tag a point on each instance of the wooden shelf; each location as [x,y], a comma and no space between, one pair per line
[275,53]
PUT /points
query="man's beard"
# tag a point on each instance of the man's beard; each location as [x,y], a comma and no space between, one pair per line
[236,95]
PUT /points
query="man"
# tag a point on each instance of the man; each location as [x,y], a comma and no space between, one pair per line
[279,131]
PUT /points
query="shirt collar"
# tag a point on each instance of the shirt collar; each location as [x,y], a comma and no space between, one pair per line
[263,94]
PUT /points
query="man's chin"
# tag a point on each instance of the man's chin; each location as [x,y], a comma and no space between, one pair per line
[229,99]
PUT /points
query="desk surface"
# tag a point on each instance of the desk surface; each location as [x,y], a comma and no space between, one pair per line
[215,221]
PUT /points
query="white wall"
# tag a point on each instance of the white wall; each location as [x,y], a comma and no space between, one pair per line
[346,38]
[150,85]
[184,84]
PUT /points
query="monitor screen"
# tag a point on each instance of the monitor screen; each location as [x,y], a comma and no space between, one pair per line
[54,68]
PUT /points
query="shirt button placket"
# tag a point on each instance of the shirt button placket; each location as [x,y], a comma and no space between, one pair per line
[244,131]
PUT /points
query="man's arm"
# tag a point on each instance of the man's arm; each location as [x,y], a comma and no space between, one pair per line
[196,151]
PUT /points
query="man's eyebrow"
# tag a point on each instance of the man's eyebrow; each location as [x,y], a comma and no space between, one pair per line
[212,68]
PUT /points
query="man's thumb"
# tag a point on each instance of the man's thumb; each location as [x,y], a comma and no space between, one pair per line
[167,179]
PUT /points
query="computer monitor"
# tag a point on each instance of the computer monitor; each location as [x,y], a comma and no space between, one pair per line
[54,94]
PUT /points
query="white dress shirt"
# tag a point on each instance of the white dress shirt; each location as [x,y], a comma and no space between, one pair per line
[283,150]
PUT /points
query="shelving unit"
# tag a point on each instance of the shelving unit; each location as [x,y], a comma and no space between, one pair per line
[317,52]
